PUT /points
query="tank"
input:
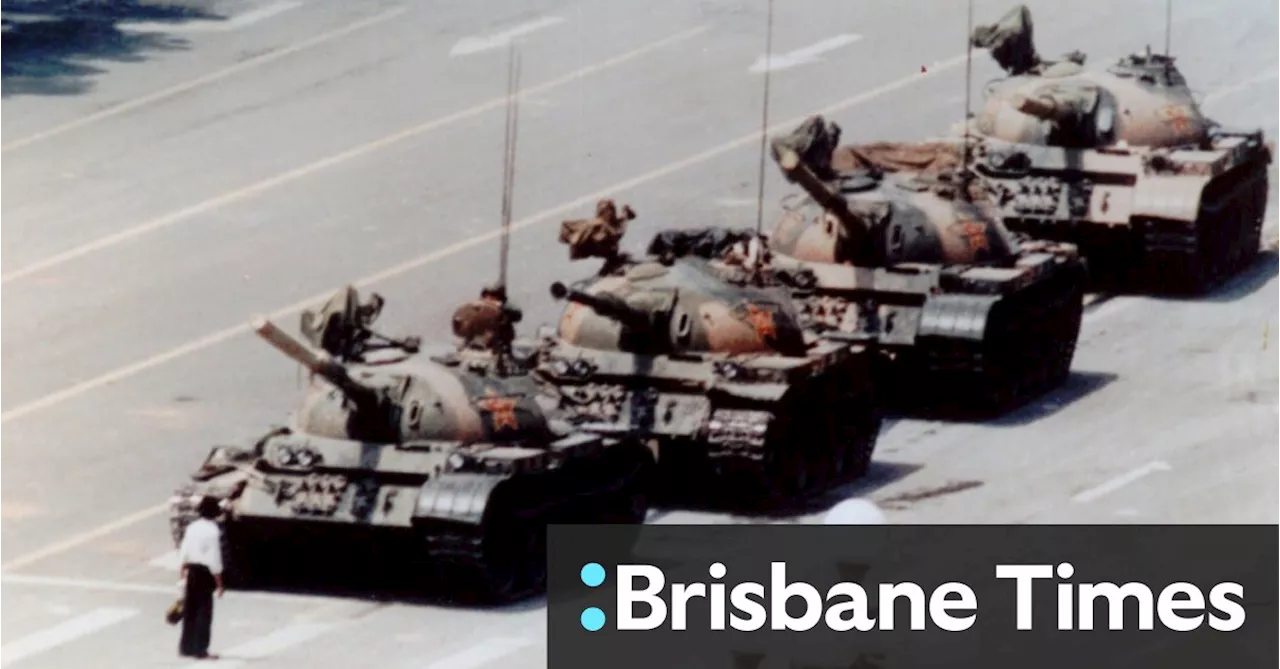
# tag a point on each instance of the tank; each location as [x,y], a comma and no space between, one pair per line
[1119,160]
[906,254]
[446,463]
[710,366]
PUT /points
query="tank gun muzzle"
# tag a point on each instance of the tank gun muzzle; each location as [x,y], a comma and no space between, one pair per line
[317,362]
[608,306]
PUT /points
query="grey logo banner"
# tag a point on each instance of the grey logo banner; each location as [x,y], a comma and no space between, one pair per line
[899,597]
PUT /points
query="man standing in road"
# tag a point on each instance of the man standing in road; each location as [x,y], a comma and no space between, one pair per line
[201,558]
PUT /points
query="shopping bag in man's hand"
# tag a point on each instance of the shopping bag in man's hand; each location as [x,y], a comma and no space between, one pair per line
[174,615]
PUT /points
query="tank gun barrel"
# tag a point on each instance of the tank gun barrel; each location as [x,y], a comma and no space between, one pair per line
[1042,108]
[797,172]
[609,306]
[317,362]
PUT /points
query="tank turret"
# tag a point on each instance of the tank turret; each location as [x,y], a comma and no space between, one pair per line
[1121,161]
[874,219]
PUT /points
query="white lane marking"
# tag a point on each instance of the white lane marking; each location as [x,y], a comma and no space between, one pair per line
[62,633]
[147,588]
[483,653]
[427,259]
[237,22]
[1239,86]
[1121,481]
[168,561]
[734,202]
[281,639]
[457,247]
[801,56]
[476,44]
[296,173]
[212,77]
[86,584]
[85,537]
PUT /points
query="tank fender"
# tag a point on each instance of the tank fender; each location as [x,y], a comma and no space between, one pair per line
[957,316]
[459,497]
[1169,198]
[758,392]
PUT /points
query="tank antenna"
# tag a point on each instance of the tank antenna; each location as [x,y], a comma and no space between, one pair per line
[1168,26]
[764,119]
[968,93]
[509,155]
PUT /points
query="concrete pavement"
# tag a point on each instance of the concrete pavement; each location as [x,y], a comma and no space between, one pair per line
[375,154]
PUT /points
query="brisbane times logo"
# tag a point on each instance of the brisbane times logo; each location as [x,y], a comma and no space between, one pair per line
[646,601]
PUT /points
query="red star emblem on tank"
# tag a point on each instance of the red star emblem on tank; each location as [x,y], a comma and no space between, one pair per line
[1178,117]
[502,410]
[761,320]
[974,233]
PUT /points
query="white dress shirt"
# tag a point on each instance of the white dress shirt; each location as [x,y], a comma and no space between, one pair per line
[201,544]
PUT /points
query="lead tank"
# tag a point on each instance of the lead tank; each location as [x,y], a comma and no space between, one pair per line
[709,364]
[445,463]
[908,256]
[1121,161]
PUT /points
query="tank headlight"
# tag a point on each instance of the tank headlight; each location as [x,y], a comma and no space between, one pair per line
[307,457]
[283,456]
[581,368]
[456,462]
[728,370]
[560,368]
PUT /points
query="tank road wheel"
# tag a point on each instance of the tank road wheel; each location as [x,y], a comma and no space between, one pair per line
[631,474]
[849,421]
[860,430]
[1224,237]
[1065,334]
[498,561]
[784,472]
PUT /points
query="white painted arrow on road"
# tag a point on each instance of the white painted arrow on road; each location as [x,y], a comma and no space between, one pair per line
[801,56]
[470,45]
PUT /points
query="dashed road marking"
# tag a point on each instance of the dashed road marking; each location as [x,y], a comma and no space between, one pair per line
[480,654]
[801,56]
[62,633]
[1121,481]
[476,44]
[265,646]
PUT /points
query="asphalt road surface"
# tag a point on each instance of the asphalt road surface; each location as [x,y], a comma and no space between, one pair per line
[170,174]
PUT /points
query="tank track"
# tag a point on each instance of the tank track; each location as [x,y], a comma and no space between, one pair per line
[817,439]
[501,560]
[504,558]
[1223,240]
[1030,342]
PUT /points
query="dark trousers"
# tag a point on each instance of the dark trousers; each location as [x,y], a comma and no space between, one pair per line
[197,612]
